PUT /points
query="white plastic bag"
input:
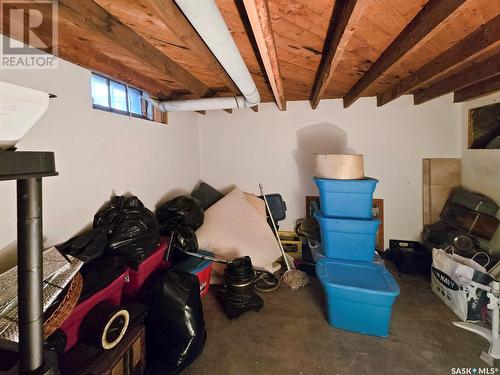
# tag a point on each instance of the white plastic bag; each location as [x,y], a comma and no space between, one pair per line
[450,280]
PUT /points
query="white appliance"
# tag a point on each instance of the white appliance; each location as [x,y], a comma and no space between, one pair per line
[20,109]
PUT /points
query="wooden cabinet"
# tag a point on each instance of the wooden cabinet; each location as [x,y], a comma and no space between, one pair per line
[127,358]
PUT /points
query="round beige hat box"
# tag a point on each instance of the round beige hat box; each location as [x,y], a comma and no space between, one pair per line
[339,166]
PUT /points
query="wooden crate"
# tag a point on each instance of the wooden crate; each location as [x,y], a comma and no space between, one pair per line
[292,244]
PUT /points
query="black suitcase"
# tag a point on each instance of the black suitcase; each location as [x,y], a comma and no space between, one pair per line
[472,222]
[473,201]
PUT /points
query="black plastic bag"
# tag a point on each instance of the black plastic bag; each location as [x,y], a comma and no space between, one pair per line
[175,327]
[133,231]
[182,239]
[182,212]
[87,246]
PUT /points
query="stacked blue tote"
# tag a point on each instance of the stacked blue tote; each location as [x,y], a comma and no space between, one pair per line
[360,292]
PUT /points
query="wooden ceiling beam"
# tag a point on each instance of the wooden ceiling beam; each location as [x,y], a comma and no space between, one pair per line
[476,73]
[72,49]
[486,36]
[173,18]
[96,61]
[431,15]
[344,23]
[477,90]
[260,21]
[228,110]
[91,17]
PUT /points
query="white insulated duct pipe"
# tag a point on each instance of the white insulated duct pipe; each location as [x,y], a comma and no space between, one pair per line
[208,21]
[205,104]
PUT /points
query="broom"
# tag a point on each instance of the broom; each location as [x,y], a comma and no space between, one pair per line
[294,278]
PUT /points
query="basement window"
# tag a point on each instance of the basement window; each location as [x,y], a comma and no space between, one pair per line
[114,96]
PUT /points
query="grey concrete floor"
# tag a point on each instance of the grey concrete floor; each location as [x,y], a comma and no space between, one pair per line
[290,335]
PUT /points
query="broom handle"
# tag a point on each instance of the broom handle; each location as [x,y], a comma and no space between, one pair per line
[288,268]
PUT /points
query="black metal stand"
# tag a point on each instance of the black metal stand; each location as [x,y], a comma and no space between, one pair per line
[28,168]
[29,273]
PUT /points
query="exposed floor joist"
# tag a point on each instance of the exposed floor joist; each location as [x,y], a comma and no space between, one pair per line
[70,48]
[150,44]
[95,19]
[344,23]
[476,73]
[486,36]
[260,21]
[175,20]
[100,63]
[431,15]
[477,90]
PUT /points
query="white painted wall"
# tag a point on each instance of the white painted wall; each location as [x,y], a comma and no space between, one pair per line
[97,154]
[100,153]
[481,168]
[276,148]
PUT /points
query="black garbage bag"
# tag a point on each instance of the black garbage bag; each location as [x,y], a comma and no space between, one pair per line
[182,239]
[133,231]
[87,246]
[181,212]
[175,327]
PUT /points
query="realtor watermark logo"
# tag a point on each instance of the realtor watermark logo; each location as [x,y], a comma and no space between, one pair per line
[474,371]
[32,28]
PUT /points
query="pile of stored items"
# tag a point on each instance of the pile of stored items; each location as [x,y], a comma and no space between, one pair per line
[135,268]
[123,280]
[465,275]
[467,215]
[359,291]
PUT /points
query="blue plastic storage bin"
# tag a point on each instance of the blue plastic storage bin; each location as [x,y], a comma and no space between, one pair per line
[347,238]
[346,198]
[359,295]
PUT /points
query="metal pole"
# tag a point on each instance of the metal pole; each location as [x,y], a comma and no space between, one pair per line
[29,273]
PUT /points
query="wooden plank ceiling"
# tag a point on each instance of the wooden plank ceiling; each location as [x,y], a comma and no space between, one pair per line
[294,49]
